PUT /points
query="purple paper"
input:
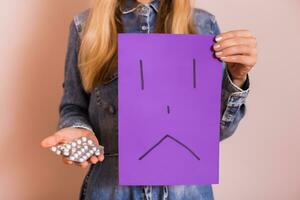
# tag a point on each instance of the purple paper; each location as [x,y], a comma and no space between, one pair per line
[169,109]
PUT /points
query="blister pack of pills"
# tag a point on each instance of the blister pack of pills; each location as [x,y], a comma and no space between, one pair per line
[79,150]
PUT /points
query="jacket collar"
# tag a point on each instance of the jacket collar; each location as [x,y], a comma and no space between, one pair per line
[131,5]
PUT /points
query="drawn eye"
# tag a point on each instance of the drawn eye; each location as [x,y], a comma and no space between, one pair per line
[142,74]
[194,73]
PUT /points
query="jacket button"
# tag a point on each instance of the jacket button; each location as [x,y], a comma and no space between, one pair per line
[144,28]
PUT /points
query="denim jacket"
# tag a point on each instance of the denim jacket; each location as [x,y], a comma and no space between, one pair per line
[98,110]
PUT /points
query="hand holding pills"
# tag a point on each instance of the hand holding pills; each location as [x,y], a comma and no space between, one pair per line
[76,146]
[78,150]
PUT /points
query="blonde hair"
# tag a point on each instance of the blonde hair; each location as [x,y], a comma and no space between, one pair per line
[98,48]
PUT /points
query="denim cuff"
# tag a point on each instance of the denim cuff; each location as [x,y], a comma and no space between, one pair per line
[75,123]
[233,97]
[83,126]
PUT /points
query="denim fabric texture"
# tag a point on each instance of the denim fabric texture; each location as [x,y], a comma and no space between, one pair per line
[98,110]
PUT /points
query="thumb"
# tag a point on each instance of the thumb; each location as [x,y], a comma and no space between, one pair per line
[51,141]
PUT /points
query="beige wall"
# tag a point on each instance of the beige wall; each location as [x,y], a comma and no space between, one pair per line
[260,162]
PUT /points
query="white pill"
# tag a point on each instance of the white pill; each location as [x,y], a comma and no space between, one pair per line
[73,150]
[90,142]
[58,152]
[88,154]
[73,144]
[72,158]
[97,153]
[84,139]
[68,146]
[76,155]
[94,148]
[78,141]
[53,149]
[61,147]
[81,160]
[85,147]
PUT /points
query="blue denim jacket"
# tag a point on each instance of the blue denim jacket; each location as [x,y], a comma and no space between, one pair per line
[97,110]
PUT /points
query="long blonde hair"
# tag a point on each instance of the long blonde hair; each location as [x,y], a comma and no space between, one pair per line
[98,48]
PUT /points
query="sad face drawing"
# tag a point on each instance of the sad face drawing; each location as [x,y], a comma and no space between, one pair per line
[169,109]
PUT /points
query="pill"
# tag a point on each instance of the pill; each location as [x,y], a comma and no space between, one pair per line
[73,150]
[78,141]
[58,152]
[90,142]
[85,157]
[73,144]
[66,153]
[84,139]
[53,149]
[97,153]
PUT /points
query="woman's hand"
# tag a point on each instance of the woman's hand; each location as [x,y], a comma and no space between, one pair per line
[238,50]
[68,134]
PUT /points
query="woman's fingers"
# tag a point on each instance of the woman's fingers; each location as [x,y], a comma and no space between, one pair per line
[246,41]
[84,164]
[236,50]
[93,159]
[101,157]
[233,34]
[237,46]
[67,161]
[241,59]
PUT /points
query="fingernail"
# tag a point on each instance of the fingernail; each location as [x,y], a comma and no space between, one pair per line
[102,158]
[218,54]
[216,46]
[223,57]
[218,38]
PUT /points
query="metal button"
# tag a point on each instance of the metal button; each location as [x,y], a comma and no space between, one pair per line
[143,10]
[144,28]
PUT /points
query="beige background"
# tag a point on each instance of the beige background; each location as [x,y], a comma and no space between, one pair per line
[260,162]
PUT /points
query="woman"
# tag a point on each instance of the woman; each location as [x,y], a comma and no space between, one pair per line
[89,103]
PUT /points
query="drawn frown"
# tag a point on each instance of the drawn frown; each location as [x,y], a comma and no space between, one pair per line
[168,111]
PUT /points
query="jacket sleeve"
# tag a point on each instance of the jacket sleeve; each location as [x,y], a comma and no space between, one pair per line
[233,107]
[73,108]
